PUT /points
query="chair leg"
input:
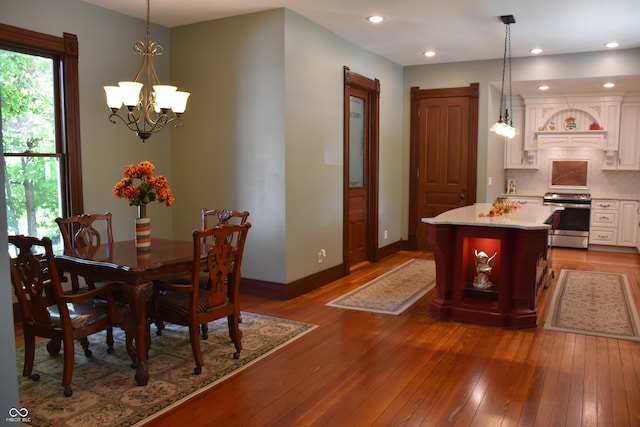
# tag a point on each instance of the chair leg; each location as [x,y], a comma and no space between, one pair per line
[195,348]
[235,333]
[159,327]
[54,346]
[67,370]
[29,354]
[85,345]
[110,340]
[205,330]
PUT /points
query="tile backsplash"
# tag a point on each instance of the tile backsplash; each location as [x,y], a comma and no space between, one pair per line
[601,183]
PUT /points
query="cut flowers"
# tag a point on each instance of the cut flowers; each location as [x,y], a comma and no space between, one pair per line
[500,207]
[140,187]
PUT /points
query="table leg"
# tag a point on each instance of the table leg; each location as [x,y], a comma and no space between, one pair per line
[138,296]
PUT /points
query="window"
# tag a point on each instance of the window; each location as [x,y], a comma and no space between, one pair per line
[39,130]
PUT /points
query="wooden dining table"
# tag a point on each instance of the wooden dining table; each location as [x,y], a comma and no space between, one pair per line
[122,262]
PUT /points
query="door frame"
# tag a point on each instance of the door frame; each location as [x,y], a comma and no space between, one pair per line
[372,87]
[472,92]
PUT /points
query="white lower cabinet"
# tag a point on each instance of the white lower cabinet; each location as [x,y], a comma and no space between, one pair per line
[628,223]
[613,222]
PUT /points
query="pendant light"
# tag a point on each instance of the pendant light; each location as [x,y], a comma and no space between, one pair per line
[504,125]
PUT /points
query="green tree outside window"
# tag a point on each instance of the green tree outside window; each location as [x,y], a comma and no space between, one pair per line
[28,136]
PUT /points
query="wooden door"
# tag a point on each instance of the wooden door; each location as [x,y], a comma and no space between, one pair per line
[358,154]
[361,96]
[444,154]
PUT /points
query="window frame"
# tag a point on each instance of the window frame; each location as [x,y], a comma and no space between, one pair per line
[64,51]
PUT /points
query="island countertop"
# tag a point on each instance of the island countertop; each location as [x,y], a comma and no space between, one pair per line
[528,217]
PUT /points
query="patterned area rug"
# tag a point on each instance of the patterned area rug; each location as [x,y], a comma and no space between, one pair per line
[593,303]
[393,292]
[104,389]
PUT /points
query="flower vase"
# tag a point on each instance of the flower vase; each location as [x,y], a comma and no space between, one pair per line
[143,230]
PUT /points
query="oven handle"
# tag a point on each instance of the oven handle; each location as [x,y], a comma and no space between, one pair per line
[569,205]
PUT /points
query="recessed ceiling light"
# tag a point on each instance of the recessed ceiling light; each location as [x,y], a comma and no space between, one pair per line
[375,19]
[429,53]
[611,45]
[609,85]
[536,51]
[543,87]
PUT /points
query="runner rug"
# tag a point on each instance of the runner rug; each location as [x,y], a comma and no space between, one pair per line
[393,292]
[593,303]
[104,389]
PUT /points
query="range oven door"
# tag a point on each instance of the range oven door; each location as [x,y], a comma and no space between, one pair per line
[572,227]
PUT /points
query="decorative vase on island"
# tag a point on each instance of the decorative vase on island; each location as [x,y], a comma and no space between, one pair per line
[143,230]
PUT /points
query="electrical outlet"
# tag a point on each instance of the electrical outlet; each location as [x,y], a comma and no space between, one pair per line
[385,235]
[321,254]
[490,180]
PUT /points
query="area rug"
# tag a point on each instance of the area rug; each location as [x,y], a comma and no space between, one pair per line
[593,303]
[393,292]
[104,389]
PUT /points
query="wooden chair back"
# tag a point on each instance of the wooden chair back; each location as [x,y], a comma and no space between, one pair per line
[34,283]
[85,233]
[214,217]
[222,258]
[85,230]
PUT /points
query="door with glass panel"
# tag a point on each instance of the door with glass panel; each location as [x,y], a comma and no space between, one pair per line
[361,169]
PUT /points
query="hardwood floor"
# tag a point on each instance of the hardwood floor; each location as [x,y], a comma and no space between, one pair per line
[366,369]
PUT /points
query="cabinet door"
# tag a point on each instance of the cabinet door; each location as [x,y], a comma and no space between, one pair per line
[628,223]
[517,154]
[629,148]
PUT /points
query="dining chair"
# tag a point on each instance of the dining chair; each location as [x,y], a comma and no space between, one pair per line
[82,233]
[48,312]
[193,305]
[209,218]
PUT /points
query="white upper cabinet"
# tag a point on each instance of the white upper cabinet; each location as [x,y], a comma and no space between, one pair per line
[517,155]
[606,123]
[573,122]
[627,156]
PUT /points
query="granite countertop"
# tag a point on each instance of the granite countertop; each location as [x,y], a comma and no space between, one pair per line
[528,217]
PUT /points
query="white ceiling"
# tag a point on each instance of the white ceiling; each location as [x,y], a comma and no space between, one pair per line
[458,30]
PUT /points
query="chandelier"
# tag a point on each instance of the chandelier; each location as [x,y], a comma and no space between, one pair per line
[504,125]
[144,105]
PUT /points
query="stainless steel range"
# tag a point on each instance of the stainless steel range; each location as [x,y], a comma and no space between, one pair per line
[572,227]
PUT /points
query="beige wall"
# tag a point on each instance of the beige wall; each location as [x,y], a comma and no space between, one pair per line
[266,124]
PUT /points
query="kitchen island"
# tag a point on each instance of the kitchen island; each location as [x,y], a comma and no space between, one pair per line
[490,269]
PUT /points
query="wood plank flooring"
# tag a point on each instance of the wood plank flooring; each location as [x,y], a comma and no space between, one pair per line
[367,369]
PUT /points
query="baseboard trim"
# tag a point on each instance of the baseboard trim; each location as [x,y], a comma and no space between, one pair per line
[282,291]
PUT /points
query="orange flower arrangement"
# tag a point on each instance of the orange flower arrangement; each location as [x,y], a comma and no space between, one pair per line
[501,207]
[149,189]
